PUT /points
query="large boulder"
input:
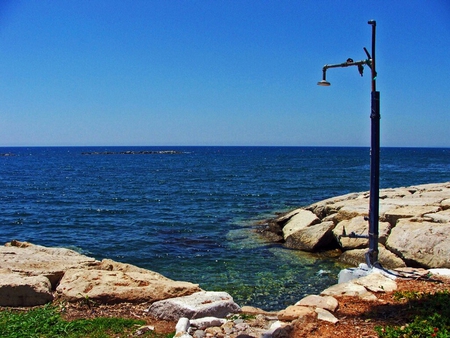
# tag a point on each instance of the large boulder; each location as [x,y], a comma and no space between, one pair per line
[360,227]
[198,305]
[424,244]
[35,260]
[312,238]
[119,286]
[302,219]
[17,290]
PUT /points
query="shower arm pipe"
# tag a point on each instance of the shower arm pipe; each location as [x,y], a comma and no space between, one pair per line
[367,62]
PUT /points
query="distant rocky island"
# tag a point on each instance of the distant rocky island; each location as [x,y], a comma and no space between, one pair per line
[134,152]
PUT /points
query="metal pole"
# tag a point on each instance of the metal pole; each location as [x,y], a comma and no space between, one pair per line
[372,254]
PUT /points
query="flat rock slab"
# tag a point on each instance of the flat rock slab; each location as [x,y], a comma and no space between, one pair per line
[425,244]
[34,260]
[376,282]
[111,287]
[324,302]
[349,289]
[198,305]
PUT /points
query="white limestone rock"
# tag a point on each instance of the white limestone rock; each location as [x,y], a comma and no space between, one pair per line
[311,238]
[197,305]
[349,289]
[409,211]
[302,219]
[359,226]
[118,286]
[422,243]
[376,282]
[36,260]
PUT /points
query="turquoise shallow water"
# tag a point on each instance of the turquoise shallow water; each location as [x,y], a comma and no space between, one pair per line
[191,215]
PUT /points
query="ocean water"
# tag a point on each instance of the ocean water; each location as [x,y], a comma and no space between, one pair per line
[191,215]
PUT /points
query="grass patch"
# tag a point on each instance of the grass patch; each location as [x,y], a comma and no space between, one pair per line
[430,316]
[46,321]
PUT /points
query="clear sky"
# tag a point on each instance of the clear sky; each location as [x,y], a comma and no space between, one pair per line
[213,72]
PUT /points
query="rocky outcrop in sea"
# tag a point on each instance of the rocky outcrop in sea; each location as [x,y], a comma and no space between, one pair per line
[414,226]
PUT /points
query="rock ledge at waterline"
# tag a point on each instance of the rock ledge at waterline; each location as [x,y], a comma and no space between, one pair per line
[414,227]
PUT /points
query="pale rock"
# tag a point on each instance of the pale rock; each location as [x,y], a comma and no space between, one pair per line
[440,272]
[409,211]
[350,274]
[214,331]
[294,312]
[286,217]
[110,265]
[421,243]
[349,289]
[18,290]
[439,217]
[326,316]
[35,260]
[323,302]
[275,326]
[199,334]
[360,227]
[117,286]
[182,326]
[302,219]
[412,201]
[354,208]
[445,204]
[386,258]
[144,329]
[311,238]
[197,305]
[394,193]
[411,273]
[376,282]
[205,322]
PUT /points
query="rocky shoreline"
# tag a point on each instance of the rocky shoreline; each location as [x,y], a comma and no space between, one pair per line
[414,227]
[414,231]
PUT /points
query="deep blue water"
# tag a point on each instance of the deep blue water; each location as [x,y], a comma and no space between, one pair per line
[190,216]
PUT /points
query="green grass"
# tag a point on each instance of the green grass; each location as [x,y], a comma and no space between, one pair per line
[430,316]
[46,321]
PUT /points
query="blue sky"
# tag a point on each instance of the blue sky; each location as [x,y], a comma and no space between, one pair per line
[162,72]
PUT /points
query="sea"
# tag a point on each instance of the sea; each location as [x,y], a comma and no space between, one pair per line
[190,213]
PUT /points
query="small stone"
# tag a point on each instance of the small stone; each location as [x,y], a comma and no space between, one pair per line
[199,334]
